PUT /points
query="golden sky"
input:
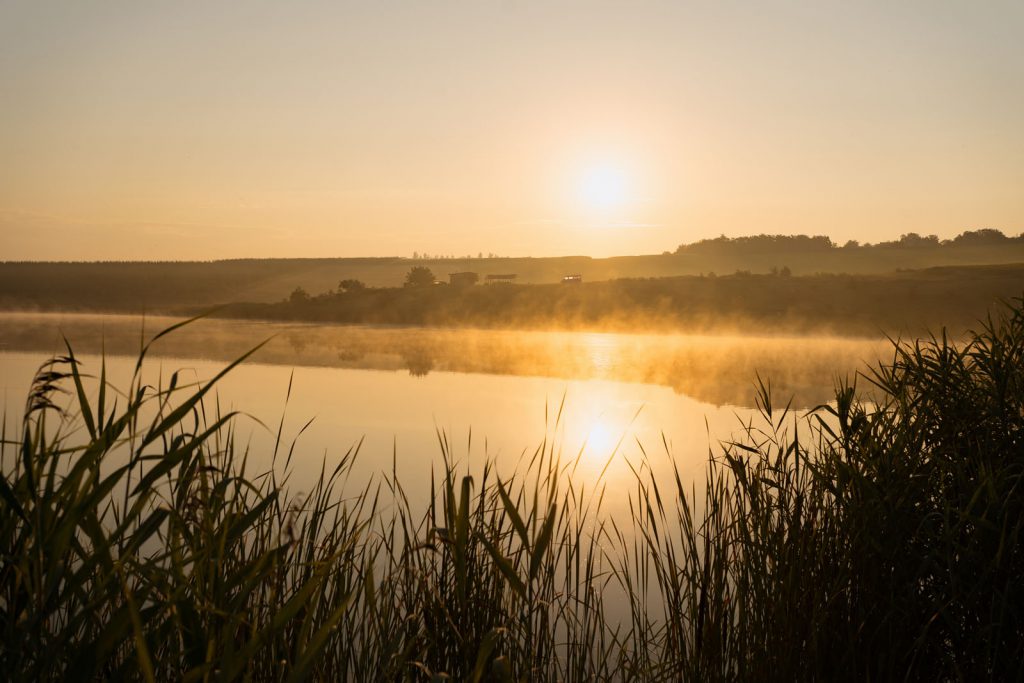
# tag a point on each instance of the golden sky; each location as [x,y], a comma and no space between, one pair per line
[149,130]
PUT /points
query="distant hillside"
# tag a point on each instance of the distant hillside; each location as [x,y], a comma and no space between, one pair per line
[818,254]
[860,305]
[169,286]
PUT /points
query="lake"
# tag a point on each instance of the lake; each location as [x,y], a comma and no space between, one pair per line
[492,394]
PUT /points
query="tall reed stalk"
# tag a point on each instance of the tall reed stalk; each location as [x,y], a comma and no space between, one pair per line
[870,539]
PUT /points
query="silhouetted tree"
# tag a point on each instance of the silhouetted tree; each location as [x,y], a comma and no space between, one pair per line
[758,243]
[298,296]
[984,236]
[913,239]
[419,276]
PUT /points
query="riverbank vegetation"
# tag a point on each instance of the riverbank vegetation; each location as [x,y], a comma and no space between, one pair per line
[869,540]
[130,287]
[860,305]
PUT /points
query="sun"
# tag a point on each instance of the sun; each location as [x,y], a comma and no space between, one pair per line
[603,188]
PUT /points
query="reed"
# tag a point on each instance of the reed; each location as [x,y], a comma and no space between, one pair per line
[869,539]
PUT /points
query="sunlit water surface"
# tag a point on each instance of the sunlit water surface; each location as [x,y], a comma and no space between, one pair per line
[492,394]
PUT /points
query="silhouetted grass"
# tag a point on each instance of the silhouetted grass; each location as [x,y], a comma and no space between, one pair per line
[869,540]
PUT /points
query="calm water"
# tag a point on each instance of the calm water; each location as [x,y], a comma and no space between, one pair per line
[493,394]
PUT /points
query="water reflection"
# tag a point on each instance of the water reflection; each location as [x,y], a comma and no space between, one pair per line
[613,404]
[397,420]
[600,438]
[419,361]
[720,370]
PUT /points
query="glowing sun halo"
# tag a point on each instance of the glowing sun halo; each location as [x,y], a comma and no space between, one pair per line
[603,188]
[600,439]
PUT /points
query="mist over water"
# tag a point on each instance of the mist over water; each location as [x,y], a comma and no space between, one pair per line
[607,398]
[716,369]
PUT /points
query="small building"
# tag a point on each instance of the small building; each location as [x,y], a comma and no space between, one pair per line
[573,279]
[463,279]
[507,278]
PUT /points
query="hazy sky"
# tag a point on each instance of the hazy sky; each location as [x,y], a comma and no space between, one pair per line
[171,130]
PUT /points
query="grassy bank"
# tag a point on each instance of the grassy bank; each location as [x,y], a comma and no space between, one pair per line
[163,286]
[900,303]
[867,541]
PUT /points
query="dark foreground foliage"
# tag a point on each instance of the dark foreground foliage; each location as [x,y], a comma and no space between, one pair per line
[870,540]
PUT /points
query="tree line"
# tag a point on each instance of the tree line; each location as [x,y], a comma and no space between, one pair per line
[911,301]
[984,237]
